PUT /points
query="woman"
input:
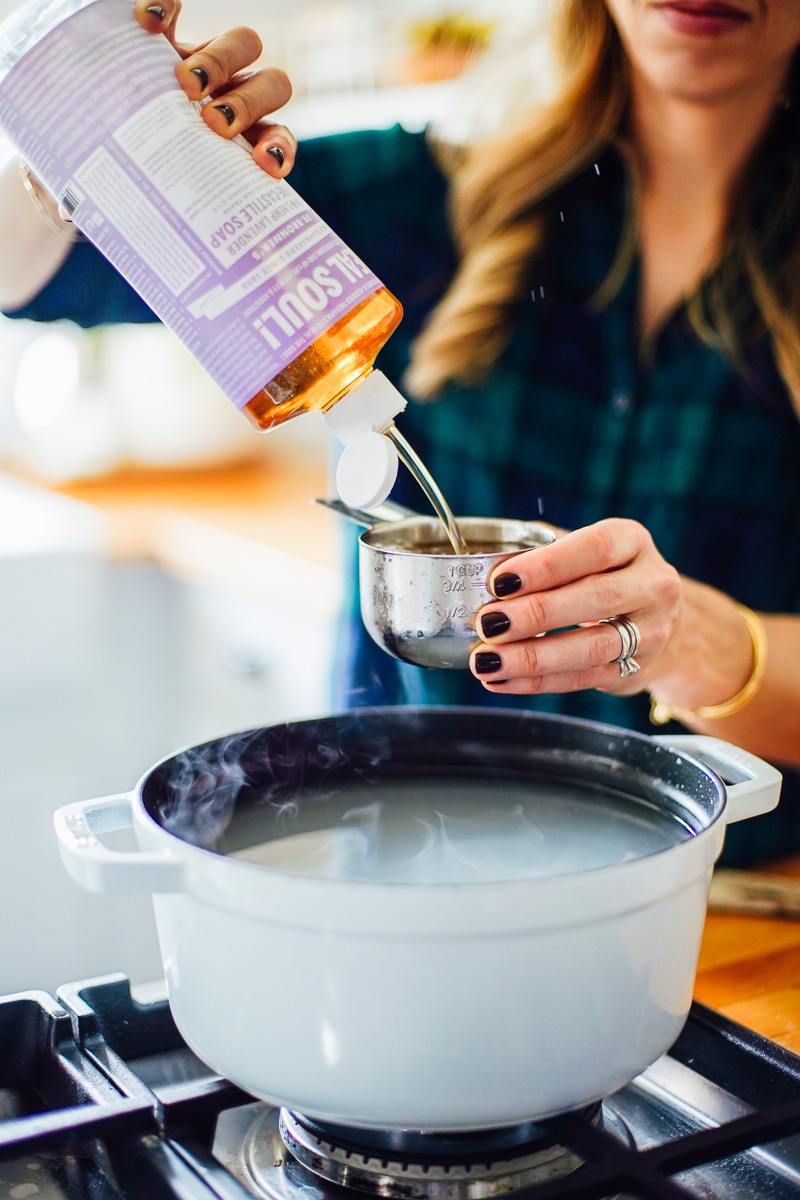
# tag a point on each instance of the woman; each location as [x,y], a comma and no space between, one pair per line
[602,308]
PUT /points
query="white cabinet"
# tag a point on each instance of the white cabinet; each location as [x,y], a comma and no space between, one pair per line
[58,727]
[254,632]
[105,668]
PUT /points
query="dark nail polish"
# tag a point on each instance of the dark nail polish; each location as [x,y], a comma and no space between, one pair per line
[487,661]
[277,154]
[156,10]
[227,112]
[506,585]
[203,77]
[496,682]
[494,623]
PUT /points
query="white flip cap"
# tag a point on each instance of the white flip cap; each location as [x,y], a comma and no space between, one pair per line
[367,467]
[366,470]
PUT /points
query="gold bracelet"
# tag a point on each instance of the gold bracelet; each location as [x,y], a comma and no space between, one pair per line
[62,231]
[661,712]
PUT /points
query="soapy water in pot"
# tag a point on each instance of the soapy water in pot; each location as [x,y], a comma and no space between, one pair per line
[436,831]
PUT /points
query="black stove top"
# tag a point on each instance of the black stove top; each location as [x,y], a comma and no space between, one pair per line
[100,1098]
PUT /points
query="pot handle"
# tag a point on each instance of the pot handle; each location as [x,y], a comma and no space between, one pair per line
[98,868]
[753,786]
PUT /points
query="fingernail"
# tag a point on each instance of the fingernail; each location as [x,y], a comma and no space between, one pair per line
[227,112]
[277,154]
[496,682]
[494,623]
[506,585]
[156,10]
[203,77]
[486,662]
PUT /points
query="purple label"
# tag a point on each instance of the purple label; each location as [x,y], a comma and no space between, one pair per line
[233,262]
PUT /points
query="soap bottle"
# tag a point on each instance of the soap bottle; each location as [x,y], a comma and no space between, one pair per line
[282,315]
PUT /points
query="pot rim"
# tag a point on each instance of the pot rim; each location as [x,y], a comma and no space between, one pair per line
[465,908]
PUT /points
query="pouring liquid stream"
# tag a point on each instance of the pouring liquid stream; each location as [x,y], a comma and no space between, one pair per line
[431,489]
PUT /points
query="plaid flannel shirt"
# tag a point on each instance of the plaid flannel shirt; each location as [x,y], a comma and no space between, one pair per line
[571,425]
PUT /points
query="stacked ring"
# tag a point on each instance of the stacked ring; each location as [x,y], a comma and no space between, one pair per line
[630,638]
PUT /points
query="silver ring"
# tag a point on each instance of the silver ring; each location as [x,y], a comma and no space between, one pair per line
[630,638]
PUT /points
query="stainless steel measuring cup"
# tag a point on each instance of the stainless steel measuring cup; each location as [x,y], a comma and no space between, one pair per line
[418,598]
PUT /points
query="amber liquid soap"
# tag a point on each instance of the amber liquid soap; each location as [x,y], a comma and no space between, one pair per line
[339,359]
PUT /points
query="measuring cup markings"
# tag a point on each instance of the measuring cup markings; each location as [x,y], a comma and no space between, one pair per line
[465,570]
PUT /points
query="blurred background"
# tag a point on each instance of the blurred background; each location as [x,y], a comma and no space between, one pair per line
[164,578]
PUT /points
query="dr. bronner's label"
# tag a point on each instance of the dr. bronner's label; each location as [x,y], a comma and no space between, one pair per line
[234,262]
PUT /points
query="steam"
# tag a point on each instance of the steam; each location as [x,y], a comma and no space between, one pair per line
[437,845]
[380,798]
[405,838]
[303,800]
[283,767]
[202,789]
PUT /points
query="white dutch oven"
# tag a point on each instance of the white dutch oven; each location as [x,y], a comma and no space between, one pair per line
[433,1007]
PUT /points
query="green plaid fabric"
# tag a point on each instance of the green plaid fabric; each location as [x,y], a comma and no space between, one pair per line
[571,426]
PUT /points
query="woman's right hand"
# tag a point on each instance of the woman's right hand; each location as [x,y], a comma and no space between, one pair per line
[241,97]
[32,249]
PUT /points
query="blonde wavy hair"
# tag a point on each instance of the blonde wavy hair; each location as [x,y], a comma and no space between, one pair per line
[499,230]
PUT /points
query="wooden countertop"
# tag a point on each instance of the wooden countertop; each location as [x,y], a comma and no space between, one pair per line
[266,501]
[750,967]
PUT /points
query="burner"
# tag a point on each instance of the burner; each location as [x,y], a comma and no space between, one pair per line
[100,1097]
[286,1156]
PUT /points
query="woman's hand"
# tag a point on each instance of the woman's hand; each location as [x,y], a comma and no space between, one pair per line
[240,97]
[695,650]
[605,570]
[33,249]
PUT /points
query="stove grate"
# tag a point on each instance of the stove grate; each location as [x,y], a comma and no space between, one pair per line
[612,1168]
[102,1078]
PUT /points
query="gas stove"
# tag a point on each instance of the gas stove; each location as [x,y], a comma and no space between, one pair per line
[100,1098]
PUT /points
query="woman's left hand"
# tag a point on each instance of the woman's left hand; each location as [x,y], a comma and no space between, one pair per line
[610,569]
